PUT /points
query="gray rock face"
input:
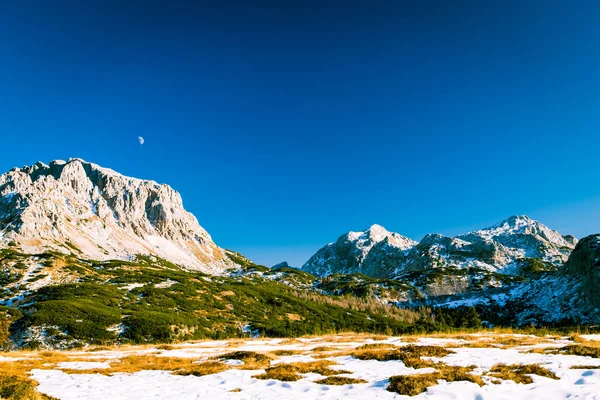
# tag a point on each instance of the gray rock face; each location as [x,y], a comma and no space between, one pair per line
[500,248]
[82,208]
[584,264]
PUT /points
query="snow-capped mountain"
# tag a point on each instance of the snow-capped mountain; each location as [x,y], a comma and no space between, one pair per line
[94,212]
[507,247]
[521,237]
[347,254]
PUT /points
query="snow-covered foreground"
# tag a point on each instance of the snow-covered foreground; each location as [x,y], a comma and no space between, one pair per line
[238,383]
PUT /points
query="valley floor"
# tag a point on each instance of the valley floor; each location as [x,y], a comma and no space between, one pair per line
[570,369]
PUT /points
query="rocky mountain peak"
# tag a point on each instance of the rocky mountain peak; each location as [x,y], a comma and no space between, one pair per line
[77,206]
[503,247]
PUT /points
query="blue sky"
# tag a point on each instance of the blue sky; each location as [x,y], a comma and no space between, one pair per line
[285,124]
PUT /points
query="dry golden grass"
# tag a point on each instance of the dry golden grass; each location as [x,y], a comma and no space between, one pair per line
[291,372]
[165,347]
[412,385]
[98,348]
[137,363]
[290,341]
[371,346]
[346,337]
[280,353]
[15,383]
[583,341]
[206,368]
[577,350]
[250,359]
[585,366]
[504,341]
[410,355]
[339,380]
[320,349]
[235,342]
[19,387]
[520,373]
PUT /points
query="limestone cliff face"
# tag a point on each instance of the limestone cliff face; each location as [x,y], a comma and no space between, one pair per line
[82,208]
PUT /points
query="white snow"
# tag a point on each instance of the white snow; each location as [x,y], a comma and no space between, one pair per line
[83,365]
[590,337]
[157,385]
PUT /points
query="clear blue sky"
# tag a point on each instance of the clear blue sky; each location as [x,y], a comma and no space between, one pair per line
[285,124]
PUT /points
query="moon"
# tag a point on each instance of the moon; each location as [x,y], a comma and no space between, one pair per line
[141,139]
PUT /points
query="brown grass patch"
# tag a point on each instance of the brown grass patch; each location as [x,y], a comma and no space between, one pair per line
[371,346]
[290,341]
[412,385]
[294,317]
[291,372]
[585,367]
[520,373]
[206,368]
[250,359]
[136,363]
[339,381]
[320,349]
[19,387]
[577,350]
[99,348]
[410,355]
[15,383]
[280,353]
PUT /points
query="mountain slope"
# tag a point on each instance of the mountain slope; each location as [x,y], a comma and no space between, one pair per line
[566,297]
[94,212]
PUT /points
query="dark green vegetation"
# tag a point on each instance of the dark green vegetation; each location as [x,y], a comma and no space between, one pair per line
[151,300]
[360,285]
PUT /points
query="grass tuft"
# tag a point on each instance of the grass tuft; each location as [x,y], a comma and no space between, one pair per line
[18,387]
[281,353]
[412,385]
[520,373]
[580,350]
[291,372]
[251,359]
[371,346]
[339,381]
[410,355]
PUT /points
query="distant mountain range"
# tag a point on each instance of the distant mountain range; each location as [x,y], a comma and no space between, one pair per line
[507,247]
